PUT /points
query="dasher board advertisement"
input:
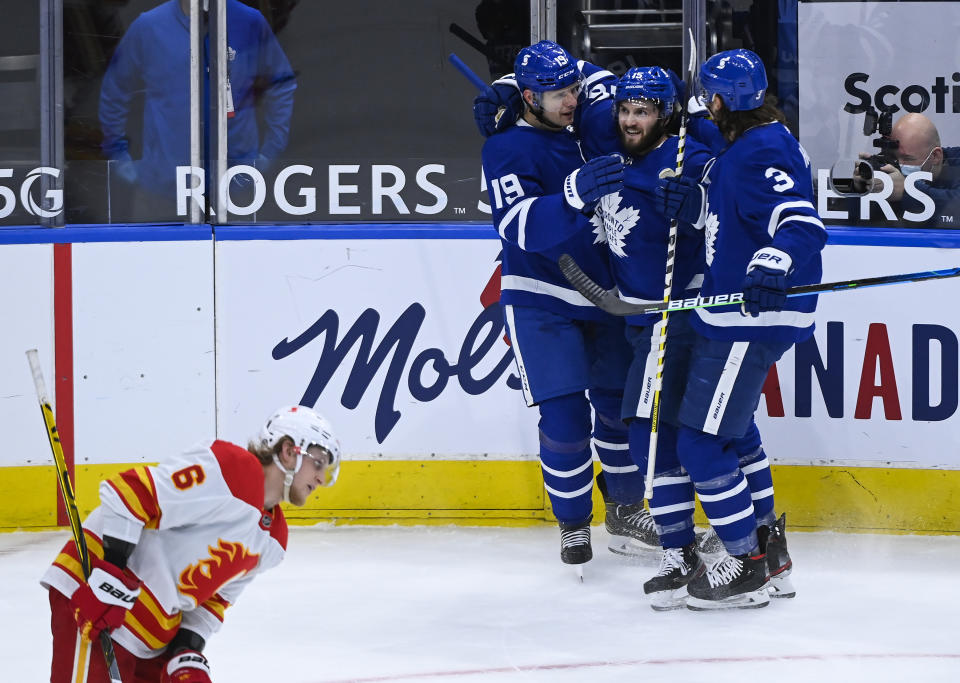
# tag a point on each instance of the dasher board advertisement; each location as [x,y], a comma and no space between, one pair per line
[389,340]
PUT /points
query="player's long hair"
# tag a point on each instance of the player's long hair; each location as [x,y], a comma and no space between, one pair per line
[265,455]
[733,124]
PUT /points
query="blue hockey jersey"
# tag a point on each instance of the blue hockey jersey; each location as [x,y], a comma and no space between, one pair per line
[635,230]
[759,194]
[153,58]
[524,168]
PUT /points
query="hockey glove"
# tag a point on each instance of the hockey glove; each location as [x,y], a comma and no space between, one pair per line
[187,666]
[765,287]
[124,168]
[102,602]
[497,108]
[678,85]
[598,177]
[682,198]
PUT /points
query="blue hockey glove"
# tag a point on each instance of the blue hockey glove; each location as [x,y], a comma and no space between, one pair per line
[598,177]
[678,84]
[682,198]
[497,108]
[765,287]
[125,168]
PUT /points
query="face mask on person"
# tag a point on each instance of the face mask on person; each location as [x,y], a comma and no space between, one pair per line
[907,169]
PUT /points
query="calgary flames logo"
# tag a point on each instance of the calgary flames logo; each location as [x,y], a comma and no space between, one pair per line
[227,561]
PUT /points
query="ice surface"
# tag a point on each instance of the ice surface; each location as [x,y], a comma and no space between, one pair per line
[445,604]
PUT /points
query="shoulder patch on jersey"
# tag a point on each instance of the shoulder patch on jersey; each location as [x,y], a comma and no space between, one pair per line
[242,472]
[277,524]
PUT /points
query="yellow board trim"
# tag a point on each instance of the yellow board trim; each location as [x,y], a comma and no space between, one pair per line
[510,493]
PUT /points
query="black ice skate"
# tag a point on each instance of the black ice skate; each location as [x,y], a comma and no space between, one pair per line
[731,582]
[709,544]
[575,546]
[779,565]
[631,527]
[678,566]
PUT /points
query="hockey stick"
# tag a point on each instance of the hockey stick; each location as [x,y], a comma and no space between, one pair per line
[608,300]
[69,499]
[667,290]
[470,39]
[468,72]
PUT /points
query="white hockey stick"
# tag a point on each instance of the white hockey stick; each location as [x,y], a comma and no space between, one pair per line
[667,290]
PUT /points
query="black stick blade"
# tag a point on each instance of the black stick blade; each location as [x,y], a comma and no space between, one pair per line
[604,299]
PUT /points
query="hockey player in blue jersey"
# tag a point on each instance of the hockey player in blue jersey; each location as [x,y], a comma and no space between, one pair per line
[570,355]
[636,121]
[762,234]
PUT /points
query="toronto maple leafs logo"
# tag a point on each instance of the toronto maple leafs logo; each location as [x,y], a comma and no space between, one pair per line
[711,227]
[613,224]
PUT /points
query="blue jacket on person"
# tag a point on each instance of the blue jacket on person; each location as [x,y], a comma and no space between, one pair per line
[153,59]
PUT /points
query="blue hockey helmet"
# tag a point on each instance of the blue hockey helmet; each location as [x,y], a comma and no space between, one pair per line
[737,76]
[648,83]
[545,66]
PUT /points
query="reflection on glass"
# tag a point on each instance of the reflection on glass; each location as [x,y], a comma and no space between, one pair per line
[152,61]
[21,196]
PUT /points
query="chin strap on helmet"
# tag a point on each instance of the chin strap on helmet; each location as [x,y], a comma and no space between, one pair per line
[288,475]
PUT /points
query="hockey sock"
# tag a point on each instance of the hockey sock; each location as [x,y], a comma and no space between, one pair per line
[726,502]
[565,458]
[756,467]
[712,463]
[624,480]
[672,507]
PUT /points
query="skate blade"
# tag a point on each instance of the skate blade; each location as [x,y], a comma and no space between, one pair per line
[781,587]
[665,601]
[630,547]
[578,571]
[753,600]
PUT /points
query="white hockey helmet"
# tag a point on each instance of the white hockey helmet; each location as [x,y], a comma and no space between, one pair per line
[306,428]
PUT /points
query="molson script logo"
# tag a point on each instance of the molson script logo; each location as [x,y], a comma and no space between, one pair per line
[426,375]
[931,394]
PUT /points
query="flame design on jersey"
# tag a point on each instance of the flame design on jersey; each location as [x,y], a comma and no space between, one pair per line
[227,561]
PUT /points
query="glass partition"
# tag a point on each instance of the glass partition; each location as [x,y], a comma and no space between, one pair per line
[880,110]
[350,111]
[20,86]
[336,111]
[381,127]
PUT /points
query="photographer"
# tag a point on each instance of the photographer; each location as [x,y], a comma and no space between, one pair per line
[918,149]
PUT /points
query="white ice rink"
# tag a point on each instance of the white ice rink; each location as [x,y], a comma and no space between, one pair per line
[445,604]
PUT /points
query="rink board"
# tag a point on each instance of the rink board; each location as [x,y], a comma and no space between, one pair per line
[177,337]
[500,493]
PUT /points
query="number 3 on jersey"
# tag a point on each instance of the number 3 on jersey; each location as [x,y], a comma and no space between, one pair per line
[506,189]
[783,181]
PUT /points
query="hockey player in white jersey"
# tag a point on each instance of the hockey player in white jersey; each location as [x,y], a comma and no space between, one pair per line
[570,356]
[173,545]
[762,234]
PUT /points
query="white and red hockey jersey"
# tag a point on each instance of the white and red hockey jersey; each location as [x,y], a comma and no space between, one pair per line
[201,535]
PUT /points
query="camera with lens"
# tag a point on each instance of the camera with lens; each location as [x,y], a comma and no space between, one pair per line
[873,123]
